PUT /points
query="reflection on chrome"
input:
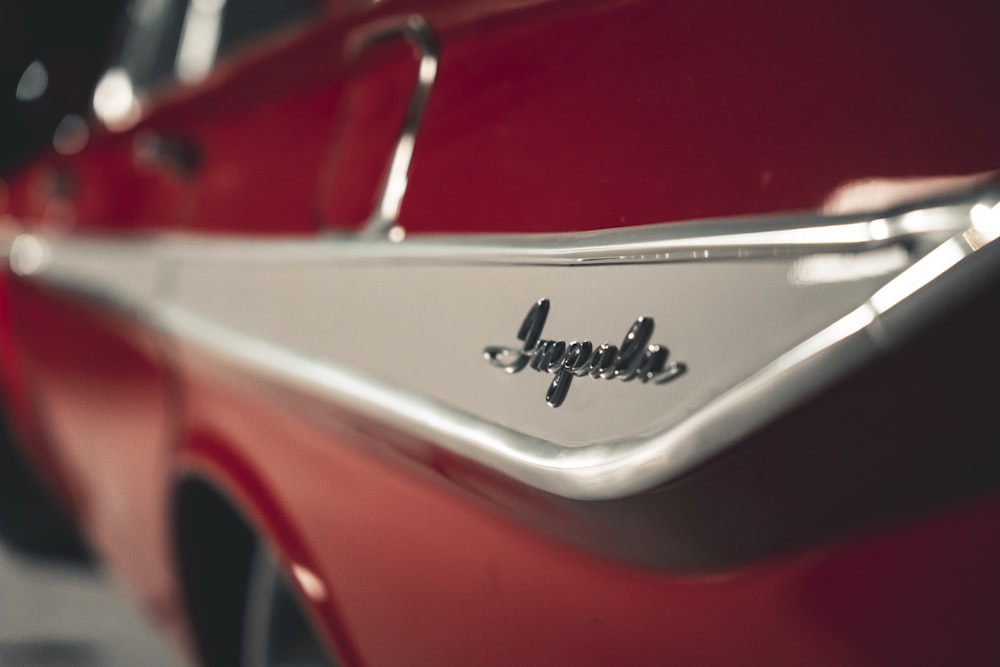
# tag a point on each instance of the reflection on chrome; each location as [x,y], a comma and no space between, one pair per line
[28,255]
[383,222]
[199,40]
[840,267]
[986,221]
[985,228]
[877,194]
[923,271]
[115,102]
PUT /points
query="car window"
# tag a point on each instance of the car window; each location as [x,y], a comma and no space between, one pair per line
[213,29]
[161,41]
[245,21]
[149,40]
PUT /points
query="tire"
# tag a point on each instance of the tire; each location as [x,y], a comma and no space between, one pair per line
[276,632]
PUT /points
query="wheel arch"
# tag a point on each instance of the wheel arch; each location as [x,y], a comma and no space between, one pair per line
[213,549]
[220,514]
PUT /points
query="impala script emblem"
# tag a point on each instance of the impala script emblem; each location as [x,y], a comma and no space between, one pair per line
[634,359]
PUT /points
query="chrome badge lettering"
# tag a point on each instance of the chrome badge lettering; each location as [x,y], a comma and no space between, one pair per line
[634,359]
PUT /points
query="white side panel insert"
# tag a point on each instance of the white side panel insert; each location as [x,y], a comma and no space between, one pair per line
[761,313]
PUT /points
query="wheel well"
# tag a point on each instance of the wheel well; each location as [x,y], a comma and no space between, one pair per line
[214,551]
[32,521]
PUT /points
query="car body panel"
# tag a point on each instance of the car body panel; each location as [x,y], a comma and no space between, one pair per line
[214,294]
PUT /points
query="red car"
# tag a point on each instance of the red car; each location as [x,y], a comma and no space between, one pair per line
[527,332]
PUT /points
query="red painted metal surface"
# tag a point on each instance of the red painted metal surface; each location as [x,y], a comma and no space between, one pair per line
[106,411]
[563,117]
[419,568]
[547,116]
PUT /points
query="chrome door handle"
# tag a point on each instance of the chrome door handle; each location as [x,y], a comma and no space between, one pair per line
[383,222]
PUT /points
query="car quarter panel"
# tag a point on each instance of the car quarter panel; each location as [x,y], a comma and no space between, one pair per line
[386,538]
[227,326]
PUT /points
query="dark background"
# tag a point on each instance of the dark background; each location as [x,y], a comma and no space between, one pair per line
[73,39]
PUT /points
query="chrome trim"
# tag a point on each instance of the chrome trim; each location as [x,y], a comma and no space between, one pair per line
[383,221]
[719,291]
[746,239]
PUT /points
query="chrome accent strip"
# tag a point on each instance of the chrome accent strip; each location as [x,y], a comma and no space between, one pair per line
[383,221]
[752,238]
[737,381]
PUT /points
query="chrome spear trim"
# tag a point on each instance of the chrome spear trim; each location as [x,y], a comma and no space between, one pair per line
[764,312]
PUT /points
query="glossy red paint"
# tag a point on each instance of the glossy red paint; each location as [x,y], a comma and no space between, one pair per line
[419,567]
[559,117]
[546,116]
[107,410]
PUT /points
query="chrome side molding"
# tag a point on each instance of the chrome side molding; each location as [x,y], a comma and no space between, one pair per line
[763,312]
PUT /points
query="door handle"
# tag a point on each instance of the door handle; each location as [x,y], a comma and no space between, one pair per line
[383,221]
